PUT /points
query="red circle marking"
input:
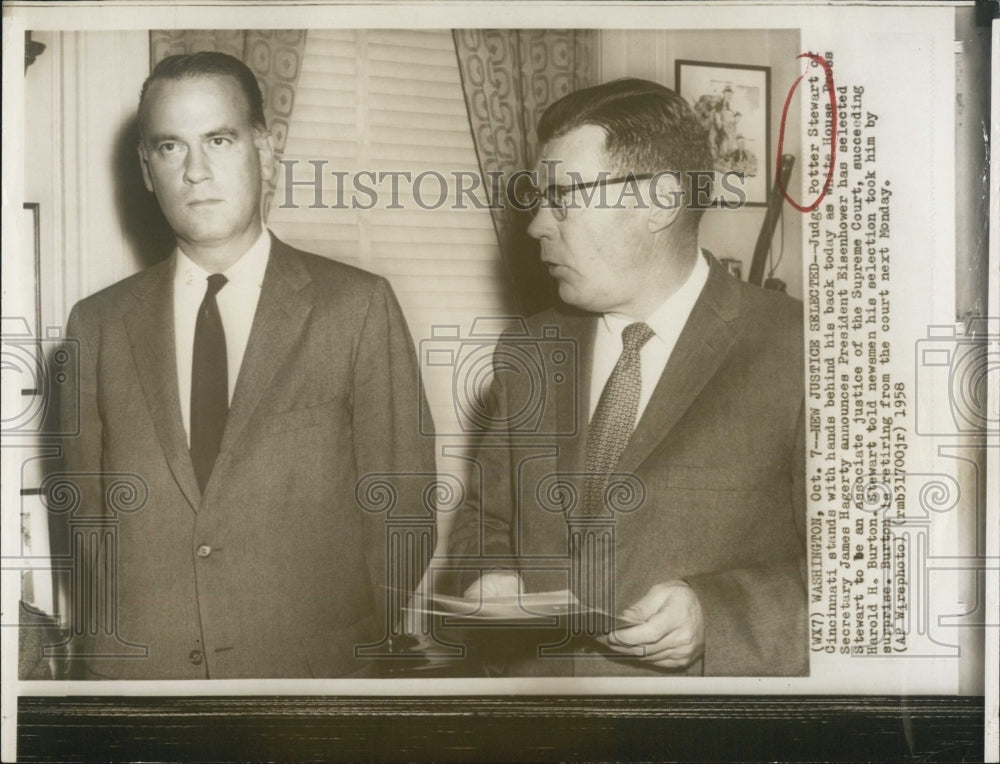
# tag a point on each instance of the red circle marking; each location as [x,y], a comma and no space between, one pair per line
[828,71]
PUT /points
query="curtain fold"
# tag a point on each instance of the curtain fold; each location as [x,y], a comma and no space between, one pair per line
[509,77]
[274,56]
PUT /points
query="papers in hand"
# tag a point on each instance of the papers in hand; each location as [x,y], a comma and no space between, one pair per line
[523,608]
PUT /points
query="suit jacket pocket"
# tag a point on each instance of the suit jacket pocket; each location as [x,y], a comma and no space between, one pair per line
[299,418]
[332,653]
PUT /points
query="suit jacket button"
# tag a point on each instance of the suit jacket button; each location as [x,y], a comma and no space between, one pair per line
[204,550]
[196,657]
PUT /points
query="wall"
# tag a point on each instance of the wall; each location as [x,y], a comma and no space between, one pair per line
[80,168]
[652,54]
[81,165]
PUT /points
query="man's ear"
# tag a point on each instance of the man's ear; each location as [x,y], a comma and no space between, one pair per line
[264,141]
[144,163]
[666,200]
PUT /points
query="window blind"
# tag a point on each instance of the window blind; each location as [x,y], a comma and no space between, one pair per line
[392,101]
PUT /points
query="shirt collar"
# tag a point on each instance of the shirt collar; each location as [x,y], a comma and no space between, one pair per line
[249,269]
[673,313]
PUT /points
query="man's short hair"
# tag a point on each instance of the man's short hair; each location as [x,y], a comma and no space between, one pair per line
[649,128]
[209,64]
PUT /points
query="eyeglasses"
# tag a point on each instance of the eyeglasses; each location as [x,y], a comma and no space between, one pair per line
[530,196]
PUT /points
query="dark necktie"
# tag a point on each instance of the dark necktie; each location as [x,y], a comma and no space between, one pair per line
[209,384]
[614,417]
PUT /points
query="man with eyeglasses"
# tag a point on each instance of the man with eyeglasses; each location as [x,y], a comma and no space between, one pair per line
[665,487]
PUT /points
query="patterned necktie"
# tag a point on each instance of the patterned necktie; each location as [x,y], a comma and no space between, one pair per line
[209,384]
[614,417]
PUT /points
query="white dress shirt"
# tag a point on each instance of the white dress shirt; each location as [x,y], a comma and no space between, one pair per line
[237,302]
[667,322]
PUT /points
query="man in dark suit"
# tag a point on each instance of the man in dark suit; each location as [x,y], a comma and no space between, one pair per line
[250,390]
[666,485]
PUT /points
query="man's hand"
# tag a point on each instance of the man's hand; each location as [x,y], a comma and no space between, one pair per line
[494,584]
[672,634]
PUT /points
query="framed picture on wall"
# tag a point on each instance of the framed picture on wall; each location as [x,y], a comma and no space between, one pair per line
[733,103]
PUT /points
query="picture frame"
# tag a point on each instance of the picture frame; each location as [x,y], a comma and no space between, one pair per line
[476,720]
[733,103]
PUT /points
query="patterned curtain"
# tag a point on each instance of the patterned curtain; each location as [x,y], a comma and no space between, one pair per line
[510,76]
[275,56]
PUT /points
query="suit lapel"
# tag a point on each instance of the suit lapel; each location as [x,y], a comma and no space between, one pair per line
[280,316]
[150,327]
[708,335]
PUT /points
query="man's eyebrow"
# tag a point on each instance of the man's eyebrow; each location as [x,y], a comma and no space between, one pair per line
[219,132]
[161,138]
